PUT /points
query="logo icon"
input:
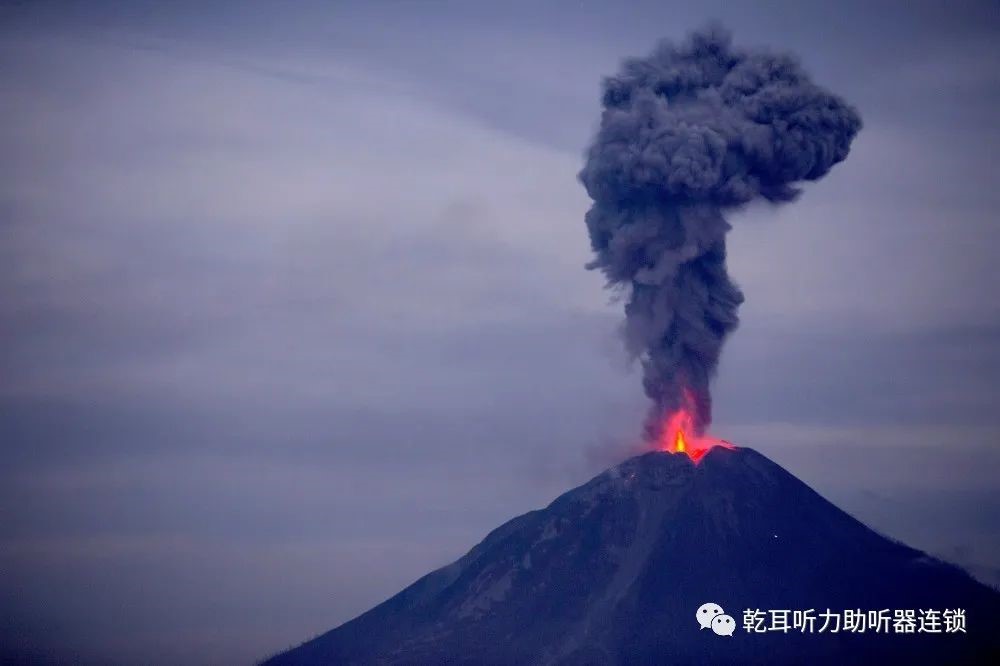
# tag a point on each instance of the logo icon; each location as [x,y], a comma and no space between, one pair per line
[706,613]
[711,616]
[724,625]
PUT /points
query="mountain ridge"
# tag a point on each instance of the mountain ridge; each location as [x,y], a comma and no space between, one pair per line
[612,572]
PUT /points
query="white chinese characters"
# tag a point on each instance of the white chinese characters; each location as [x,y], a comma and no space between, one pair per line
[851,620]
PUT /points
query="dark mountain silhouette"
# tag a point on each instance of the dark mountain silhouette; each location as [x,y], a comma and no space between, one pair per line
[613,572]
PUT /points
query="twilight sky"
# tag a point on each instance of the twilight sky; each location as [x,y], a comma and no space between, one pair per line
[293,307]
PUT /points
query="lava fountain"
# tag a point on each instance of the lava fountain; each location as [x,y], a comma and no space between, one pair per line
[679,434]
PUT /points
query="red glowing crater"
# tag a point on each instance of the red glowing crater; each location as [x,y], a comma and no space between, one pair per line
[679,436]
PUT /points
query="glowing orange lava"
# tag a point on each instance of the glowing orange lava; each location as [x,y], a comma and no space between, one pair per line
[678,436]
[680,444]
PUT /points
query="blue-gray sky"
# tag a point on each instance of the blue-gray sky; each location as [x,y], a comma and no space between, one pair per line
[293,307]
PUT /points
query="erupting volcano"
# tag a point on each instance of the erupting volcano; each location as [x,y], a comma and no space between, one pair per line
[612,572]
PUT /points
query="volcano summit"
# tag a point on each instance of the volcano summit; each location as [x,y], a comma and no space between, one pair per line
[613,572]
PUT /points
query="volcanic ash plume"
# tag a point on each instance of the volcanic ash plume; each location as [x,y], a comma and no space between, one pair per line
[687,134]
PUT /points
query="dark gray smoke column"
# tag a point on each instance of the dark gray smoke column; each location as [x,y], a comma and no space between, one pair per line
[686,134]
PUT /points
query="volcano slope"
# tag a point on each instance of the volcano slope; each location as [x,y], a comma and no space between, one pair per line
[612,572]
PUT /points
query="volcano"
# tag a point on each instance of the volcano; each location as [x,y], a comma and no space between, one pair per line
[614,571]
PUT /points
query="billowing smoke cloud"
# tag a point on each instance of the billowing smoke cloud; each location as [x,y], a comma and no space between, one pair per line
[687,134]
